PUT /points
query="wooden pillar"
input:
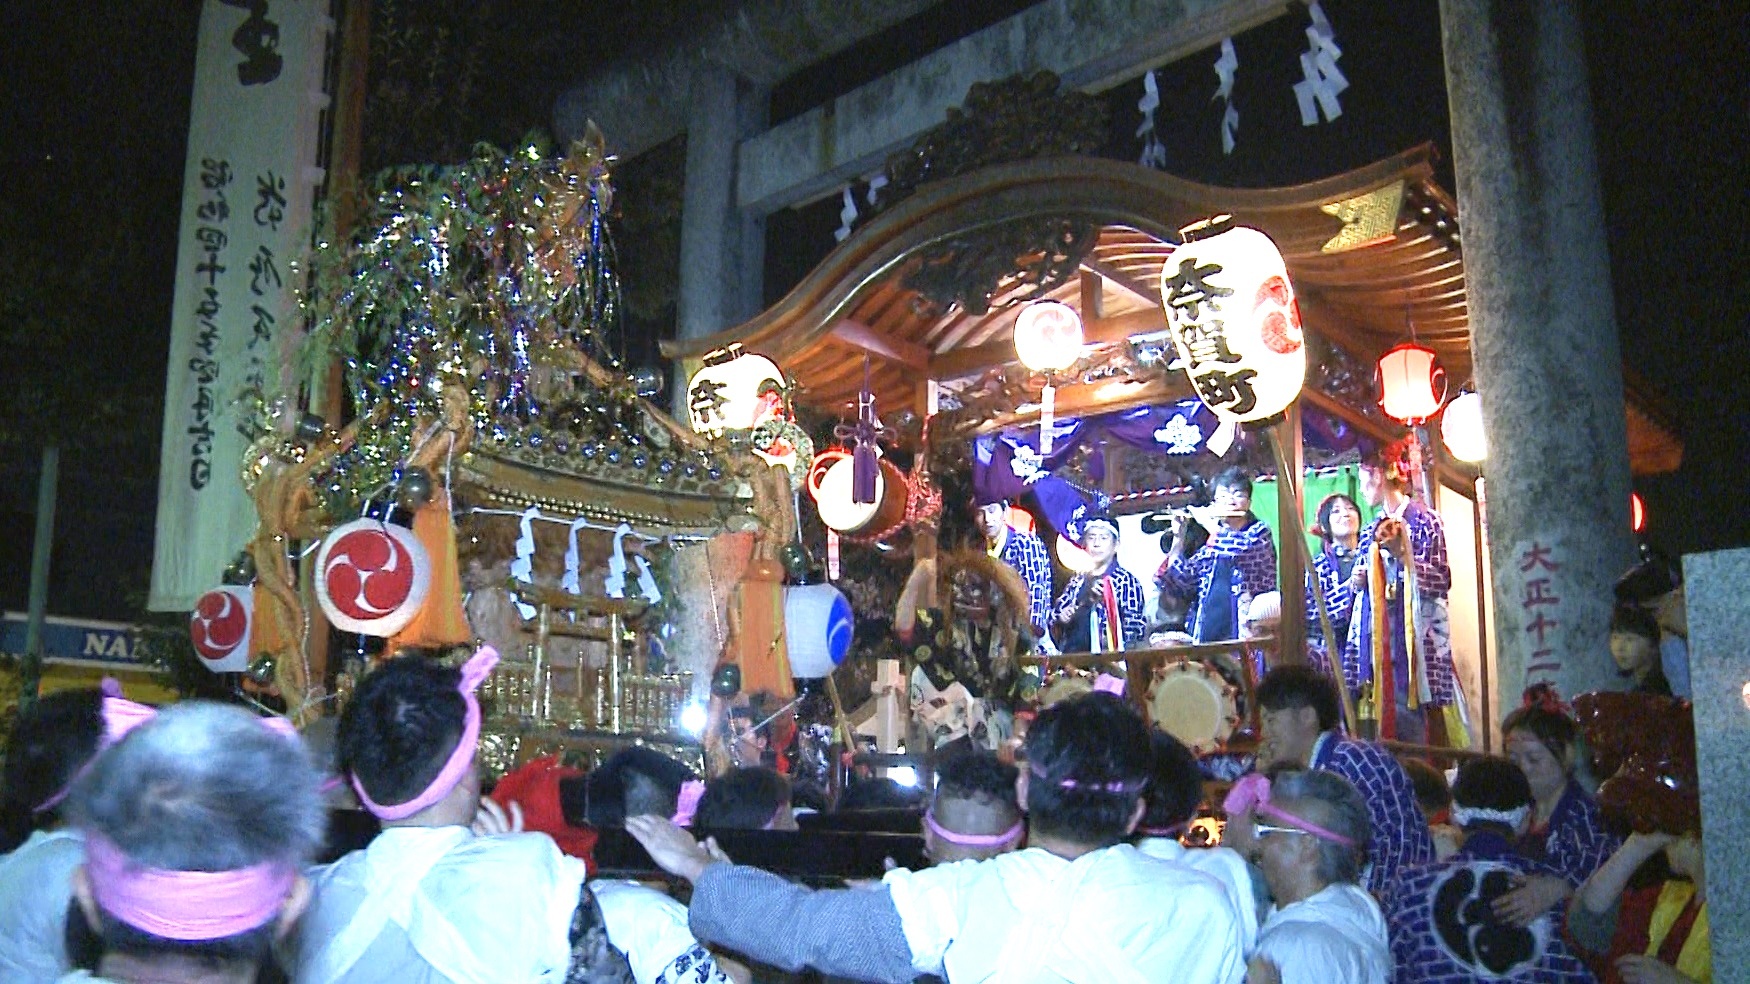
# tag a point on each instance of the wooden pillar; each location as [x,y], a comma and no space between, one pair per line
[1292,557]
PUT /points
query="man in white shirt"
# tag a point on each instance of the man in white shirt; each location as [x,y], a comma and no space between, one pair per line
[196,825]
[451,890]
[1077,905]
[1308,832]
[1175,791]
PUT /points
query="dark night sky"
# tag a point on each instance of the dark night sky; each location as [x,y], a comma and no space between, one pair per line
[95,107]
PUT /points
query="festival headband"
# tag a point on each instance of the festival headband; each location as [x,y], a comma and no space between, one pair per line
[1008,836]
[1464,816]
[185,905]
[1116,787]
[1252,793]
[474,672]
[1111,526]
[687,803]
[121,716]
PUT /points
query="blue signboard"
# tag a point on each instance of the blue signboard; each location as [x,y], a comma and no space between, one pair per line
[72,640]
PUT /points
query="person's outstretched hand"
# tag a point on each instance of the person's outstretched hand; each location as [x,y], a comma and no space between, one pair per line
[674,850]
[491,818]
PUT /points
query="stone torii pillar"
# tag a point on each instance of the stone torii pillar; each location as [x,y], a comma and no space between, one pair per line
[1543,336]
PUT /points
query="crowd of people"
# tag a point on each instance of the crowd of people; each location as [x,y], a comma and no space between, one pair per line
[182,845]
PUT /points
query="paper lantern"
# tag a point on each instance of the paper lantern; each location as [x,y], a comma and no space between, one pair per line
[1637,513]
[1048,338]
[1461,427]
[1234,322]
[371,577]
[219,627]
[818,625]
[1412,385]
[1020,520]
[725,393]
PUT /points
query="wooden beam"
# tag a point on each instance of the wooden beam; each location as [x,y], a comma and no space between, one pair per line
[1093,295]
[1123,279]
[959,363]
[864,338]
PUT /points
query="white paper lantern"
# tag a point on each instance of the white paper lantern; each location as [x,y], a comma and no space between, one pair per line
[1073,557]
[725,393]
[1048,336]
[371,577]
[1461,427]
[1235,324]
[818,626]
[220,626]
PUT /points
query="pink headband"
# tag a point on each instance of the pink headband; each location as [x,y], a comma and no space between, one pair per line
[1115,787]
[121,716]
[478,667]
[1008,836]
[1252,793]
[687,803]
[185,905]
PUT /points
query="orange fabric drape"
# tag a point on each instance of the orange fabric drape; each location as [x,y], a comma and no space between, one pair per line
[441,620]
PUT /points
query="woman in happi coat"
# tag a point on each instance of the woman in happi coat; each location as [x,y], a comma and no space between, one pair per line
[1339,533]
[1567,831]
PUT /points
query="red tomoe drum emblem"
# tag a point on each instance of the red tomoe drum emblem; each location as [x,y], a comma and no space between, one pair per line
[219,628]
[373,577]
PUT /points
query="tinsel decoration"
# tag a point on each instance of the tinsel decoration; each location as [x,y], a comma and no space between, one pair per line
[496,274]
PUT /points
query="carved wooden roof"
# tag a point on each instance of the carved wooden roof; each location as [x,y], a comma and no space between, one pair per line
[1374,254]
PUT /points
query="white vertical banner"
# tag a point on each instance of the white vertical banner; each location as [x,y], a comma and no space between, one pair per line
[247,193]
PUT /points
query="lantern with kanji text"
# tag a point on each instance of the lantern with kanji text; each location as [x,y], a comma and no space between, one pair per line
[1234,322]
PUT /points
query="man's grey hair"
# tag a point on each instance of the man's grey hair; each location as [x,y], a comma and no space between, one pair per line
[204,787]
[1337,806]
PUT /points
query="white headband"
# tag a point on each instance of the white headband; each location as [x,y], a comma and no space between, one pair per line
[1464,816]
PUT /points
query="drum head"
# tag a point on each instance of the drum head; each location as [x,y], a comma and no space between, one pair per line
[1063,688]
[1191,701]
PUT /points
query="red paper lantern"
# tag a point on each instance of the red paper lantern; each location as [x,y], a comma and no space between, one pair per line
[371,577]
[219,627]
[1412,384]
[1637,513]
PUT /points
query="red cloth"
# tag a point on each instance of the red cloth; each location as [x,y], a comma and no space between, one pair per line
[535,787]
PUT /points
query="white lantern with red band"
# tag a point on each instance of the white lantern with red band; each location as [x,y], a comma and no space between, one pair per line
[1408,377]
[219,626]
[1048,339]
[1234,321]
[733,390]
[371,577]
[818,625]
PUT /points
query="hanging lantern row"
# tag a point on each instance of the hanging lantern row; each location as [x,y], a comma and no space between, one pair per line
[1048,339]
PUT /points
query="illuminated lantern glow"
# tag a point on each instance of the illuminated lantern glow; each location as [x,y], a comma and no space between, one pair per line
[833,497]
[371,577]
[1409,377]
[1461,427]
[818,626]
[1020,520]
[1048,339]
[1637,513]
[1234,322]
[725,394]
[219,627]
